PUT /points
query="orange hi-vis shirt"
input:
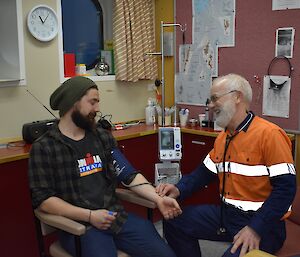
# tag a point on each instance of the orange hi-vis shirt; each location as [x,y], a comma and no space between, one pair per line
[254,155]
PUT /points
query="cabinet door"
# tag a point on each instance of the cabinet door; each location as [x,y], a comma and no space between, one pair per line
[194,150]
[142,152]
[18,234]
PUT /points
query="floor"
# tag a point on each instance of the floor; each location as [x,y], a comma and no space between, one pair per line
[208,248]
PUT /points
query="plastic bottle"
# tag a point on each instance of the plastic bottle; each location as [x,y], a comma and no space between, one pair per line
[150,112]
[207,110]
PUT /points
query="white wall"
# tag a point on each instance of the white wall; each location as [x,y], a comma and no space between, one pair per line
[125,101]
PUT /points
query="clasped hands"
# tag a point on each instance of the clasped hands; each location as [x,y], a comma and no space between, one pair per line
[167,204]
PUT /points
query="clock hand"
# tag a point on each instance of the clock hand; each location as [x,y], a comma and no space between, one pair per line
[46,17]
[41,19]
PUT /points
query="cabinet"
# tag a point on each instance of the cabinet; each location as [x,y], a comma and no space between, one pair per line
[18,236]
[194,150]
[142,152]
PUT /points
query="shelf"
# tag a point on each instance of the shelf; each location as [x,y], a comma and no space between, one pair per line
[98,78]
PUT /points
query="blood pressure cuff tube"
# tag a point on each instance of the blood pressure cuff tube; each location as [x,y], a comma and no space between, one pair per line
[124,170]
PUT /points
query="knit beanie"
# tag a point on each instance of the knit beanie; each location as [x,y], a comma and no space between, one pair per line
[66,95]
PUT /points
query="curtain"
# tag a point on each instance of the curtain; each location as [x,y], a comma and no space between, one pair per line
[134,36]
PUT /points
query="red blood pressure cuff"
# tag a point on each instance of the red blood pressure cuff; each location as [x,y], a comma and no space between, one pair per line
[123,168]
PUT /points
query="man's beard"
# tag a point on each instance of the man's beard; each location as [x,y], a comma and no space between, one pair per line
[226,114]
[85,122]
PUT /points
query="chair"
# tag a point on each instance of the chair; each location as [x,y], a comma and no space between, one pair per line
[258,253]
[49,223]
[291,246]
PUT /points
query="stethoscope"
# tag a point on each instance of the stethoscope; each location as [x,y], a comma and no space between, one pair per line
[222,230]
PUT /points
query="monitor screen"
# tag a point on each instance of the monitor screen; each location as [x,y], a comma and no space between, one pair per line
[167,140]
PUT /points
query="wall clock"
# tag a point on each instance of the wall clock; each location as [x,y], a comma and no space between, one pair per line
[42,23]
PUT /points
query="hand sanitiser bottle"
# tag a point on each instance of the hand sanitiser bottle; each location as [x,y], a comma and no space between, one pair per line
[150,112]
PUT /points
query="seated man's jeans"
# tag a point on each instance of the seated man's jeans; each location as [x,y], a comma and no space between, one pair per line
[138,238]
[203,222]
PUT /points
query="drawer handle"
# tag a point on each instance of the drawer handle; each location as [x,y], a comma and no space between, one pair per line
[198,142]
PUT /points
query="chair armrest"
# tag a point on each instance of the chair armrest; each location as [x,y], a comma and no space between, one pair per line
[60,222]
[132,197]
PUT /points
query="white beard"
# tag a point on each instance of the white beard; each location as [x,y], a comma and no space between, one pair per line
[225,115]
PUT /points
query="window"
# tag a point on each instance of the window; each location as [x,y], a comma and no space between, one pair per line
[86,26]
[82,24]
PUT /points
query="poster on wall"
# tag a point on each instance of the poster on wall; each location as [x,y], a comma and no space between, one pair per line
[285,42]
[193,81]
[285,4]
[213,27]
[276,96]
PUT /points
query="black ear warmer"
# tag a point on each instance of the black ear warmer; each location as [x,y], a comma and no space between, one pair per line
[274,85]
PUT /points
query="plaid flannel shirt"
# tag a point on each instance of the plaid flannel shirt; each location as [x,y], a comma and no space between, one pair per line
[53,171]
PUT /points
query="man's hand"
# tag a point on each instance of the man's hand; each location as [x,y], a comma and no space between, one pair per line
[168,207]
[247,238]
[167,190]
[102,219]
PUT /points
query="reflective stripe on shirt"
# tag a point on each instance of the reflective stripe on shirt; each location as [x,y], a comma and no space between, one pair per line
[244,205]
[250,170]
[282,168]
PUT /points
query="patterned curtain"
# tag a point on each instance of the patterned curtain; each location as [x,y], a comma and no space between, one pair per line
[134,36]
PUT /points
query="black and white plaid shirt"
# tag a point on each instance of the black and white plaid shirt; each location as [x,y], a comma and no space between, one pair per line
[53,171]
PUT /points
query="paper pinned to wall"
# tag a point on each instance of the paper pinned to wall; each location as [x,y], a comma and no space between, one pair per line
[193,81]
[276,100]
[285,4]
[285,42]
[213,27]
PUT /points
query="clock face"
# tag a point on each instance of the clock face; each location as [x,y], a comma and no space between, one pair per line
[42,23]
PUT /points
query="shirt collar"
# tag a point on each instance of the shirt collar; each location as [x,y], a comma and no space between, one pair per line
[245,123]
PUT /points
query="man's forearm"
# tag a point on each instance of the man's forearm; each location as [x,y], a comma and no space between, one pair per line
[57,206]
[197,179]
[145,190]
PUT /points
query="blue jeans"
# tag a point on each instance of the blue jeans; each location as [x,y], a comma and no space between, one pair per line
[138,238]
[203,221]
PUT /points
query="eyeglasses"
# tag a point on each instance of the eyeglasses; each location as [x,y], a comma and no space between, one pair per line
[215,98]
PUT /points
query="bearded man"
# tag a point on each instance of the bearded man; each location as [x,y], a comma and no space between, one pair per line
[252,158]
[73,171]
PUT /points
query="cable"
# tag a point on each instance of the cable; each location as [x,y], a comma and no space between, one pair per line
[144,183]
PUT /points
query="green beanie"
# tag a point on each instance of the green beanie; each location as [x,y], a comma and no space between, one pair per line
[66,95]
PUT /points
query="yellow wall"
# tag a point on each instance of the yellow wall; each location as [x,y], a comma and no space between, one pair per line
[164,11]
[125,101]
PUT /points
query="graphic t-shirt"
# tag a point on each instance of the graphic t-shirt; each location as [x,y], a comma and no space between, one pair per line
[92,174]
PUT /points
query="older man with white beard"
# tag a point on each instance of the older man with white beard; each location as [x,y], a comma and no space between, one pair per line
[253,161]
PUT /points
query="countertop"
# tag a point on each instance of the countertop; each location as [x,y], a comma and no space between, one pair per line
[19,150]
